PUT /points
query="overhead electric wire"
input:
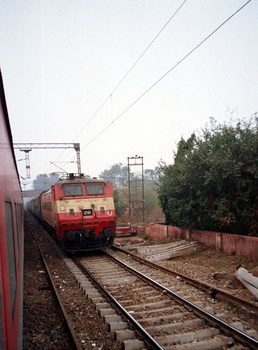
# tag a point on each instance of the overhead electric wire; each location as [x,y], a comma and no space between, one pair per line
[130,69]
[169,71]
[162,77]
[149,46]
[127,73]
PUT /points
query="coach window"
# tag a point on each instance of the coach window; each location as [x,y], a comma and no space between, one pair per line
[18,221]
[1,311]
[94,189]
[72,190]
[11,251]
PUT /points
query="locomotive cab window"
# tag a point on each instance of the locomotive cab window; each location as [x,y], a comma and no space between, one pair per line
[94,188]
[72,190]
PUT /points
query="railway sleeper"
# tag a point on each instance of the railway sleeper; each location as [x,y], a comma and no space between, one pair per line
[188,337]
[116,325]
[208,344]
[162,318]
[146,313]
[167,328]
[151,301]
[145,306]
[133,344]
[199,339]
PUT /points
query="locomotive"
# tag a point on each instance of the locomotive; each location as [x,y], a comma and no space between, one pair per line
[11,237]
[78,211]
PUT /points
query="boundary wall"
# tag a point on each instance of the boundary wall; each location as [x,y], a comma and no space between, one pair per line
[226,242]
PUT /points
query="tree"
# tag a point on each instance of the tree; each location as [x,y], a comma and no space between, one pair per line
[117,174]
[212,184]
[150,200]
[152,174]
[43,181]
[119,204]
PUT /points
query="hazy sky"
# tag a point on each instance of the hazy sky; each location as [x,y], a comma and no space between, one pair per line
[61,60]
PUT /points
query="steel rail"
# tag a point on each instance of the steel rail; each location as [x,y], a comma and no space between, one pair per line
[207,287]
[59,303]
[148,339]
[242,337]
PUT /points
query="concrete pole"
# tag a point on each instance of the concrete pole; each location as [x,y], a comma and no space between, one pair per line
[248,280]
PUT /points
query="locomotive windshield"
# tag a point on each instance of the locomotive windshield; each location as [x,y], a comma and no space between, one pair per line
[94,188]
[72,190]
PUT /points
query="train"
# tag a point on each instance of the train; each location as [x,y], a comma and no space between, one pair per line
[78,211]
[11,237]
[123,229]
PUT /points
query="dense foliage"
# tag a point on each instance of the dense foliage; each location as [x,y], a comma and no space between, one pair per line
[119,204]
[213,183]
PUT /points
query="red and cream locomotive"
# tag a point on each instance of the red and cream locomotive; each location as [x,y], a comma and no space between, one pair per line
[11,238]
[79,212]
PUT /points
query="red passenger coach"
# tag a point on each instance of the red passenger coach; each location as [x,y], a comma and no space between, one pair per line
[79,212]
[11,238]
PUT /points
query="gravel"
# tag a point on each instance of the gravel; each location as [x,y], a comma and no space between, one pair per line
[206,264]
[43,326]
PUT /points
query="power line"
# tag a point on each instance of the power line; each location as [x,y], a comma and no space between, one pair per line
[127,73]
[147,48]
[169,71]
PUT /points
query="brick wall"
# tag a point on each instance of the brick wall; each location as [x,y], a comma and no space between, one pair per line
[228,243]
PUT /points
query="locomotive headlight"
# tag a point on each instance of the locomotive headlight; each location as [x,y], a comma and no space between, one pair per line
[87,212]
[108,232]
[70,235]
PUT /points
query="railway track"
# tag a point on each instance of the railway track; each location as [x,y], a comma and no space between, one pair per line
[84,327]
[230,298]
[59,302]
[169,318]
[143,307]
